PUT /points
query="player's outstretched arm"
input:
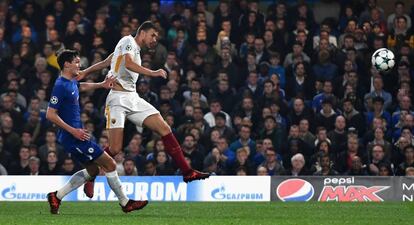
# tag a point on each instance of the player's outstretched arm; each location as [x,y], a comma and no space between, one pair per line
[80,134]
[96,67]
[133,66]
[108,83]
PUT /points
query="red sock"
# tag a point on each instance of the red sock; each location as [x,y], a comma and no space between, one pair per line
[173,148]
[109,152]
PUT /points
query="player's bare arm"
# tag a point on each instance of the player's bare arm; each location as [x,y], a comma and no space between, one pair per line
[135,67]
[53,116]
[108,83]
[96,67]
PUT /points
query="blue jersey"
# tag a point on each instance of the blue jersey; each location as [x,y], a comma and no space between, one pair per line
[65,99]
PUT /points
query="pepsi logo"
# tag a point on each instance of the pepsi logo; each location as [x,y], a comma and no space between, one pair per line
[295,190]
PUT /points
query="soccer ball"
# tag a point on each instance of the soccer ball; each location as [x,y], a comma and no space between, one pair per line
[383,60]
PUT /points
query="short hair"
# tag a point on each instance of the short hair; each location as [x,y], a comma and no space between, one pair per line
[298,156]
[399,3]
[145,26]
[409,169]
[321,128]
[66,55]
[378,99]
[128,159]
[401,17]
[270,118]
[34,159]
[220,115]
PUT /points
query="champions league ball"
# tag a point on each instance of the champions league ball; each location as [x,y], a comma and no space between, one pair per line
[383,60]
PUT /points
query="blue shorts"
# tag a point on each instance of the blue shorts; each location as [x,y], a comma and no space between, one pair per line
[84,151]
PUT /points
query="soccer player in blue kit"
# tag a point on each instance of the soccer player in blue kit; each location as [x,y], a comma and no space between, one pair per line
[64,111]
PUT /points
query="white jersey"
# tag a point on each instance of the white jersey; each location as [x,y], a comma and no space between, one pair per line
[125,77]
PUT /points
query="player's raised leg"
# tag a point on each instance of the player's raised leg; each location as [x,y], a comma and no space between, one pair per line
[156,123]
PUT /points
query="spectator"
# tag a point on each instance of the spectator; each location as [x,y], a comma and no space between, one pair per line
[326,116]
[262,171]
[244,140]
[189,146]
[272,164]
[377,92]
[150,168]
[408,160]
[298,166]
[304,133]
[379,139]
[378,110]
[242,160]
[338,135]
[326,168]
[274,132]
[50,166]
[34,165]
[226,131]
[398,11]
[68,167]
[10,138]
[353,118]
[357,169]
[300,84]
[21,166]
[409,172]
[377,158]
[344,158]
[129,168]
[51,145]
[215,107]
[225,94]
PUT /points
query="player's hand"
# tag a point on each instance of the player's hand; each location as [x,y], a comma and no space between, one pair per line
[160,73]
[108,83]
[81,74]
[81,134]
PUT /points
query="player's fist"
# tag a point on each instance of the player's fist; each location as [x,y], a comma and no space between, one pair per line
[160,73]
[108,83]
[81,134]
[81,75]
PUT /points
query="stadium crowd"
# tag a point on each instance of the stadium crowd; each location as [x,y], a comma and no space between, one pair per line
[252,88]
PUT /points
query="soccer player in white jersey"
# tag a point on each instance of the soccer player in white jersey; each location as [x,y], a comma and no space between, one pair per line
[124,103]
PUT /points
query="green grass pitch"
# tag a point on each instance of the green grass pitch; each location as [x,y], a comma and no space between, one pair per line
[80,213]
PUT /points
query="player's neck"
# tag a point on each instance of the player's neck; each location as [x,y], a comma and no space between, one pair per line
[138,41]
[66,75]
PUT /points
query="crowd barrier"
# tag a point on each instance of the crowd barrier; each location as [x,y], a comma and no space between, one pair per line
[220,188]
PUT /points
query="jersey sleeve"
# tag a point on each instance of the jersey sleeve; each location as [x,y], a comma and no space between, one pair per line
[57,96]
[127,47]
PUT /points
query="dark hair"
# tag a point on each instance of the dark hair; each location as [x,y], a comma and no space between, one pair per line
[378,99]
[408,147]
[220,115]
[145,26]
[66,55]
[399,3]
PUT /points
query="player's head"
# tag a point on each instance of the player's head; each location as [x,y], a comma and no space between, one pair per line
[148,33]
[69,61]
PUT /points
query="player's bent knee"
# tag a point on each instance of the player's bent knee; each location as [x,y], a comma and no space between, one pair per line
[93,171]
[165,129]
